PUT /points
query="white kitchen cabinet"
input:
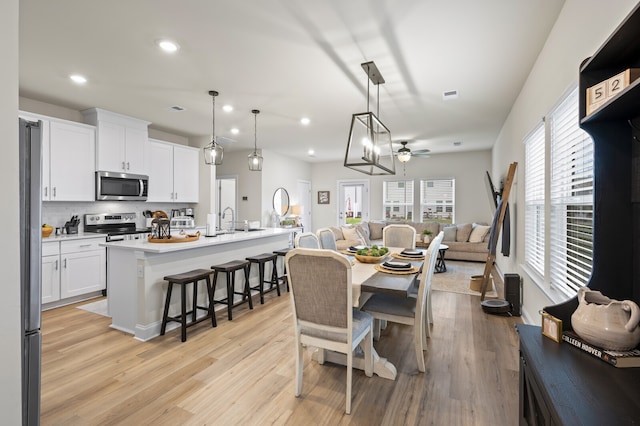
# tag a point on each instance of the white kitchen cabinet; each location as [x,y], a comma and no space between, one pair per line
[50,272]
[122,141]
[72,268]
[68,159]
[71,161]
[173,172]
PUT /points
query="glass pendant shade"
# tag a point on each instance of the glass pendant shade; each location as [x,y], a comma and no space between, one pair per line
[213,152]
[404,155]
[255,159]
[369,148]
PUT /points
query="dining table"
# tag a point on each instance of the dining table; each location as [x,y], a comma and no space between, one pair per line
[366,280]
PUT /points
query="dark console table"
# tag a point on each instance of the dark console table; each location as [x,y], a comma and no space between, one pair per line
[560,385]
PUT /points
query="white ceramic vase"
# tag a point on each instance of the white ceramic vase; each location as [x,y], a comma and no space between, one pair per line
[608,323]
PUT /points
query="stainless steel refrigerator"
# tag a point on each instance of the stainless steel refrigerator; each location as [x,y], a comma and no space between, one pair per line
[30,269]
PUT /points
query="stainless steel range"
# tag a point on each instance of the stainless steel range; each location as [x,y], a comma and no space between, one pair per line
[116,226]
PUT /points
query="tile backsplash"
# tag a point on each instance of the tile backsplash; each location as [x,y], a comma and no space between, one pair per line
[56,213]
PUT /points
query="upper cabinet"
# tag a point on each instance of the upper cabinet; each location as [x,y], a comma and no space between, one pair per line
[173,172]
[68,159]
[122,141]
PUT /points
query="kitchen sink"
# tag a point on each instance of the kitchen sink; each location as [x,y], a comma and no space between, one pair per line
[250,229]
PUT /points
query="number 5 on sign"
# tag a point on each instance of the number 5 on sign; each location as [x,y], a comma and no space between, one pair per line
[596,96]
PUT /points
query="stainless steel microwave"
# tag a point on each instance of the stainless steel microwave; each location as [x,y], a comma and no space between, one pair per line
[114,186]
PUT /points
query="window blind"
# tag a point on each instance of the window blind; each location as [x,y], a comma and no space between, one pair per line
[398,199]
[571,199]
[534,196]
[437,199]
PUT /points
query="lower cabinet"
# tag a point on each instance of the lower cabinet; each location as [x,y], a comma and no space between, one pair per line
[78,269]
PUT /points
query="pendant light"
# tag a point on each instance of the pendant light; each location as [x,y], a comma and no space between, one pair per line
[255,160]
[213,152]
[369,148]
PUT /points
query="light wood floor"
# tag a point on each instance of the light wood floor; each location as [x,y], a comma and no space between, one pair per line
[242,372]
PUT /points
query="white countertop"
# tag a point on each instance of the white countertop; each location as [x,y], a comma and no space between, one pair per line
[145,246]
[71,237]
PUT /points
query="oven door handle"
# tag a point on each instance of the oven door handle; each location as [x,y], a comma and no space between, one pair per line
[112,238]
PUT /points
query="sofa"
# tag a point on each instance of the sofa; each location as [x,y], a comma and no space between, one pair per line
[467,241]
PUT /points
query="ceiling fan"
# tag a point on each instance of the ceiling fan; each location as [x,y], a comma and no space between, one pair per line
[404,154]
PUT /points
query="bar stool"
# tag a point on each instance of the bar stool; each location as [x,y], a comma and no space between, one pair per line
[183,279]
[261,260]
[283,252]
[230,269]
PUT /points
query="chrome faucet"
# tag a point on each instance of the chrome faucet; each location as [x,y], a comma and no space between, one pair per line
[232,223]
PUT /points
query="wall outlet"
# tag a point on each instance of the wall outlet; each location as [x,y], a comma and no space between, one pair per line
[140,271]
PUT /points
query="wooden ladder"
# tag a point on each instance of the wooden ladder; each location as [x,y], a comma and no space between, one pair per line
[503,208]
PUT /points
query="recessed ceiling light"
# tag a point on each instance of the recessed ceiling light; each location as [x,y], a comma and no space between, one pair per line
[227,108]
[311,153]
[235,131]
[305,121]
[77,78]
[168,46]
[177,108]
[457,143]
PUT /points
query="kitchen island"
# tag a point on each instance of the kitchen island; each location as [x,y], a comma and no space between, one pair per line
[136,269]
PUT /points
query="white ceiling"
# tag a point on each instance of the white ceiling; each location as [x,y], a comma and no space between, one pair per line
[289,59]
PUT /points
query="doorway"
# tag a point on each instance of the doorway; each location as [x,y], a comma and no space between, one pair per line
[353,201]
[226,198]
[304,201]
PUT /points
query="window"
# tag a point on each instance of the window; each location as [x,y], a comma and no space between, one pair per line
[534,199]
[570,198]
[559,238]
[398,199]
[437,200]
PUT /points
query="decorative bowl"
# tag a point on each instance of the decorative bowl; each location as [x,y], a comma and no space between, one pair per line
[46,232]
[370,259]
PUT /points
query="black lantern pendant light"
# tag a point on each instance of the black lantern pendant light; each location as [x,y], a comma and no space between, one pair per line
[213,152]
[255,160]
[369,148]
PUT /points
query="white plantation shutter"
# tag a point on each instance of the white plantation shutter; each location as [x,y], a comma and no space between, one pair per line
[571,199]
[534,172]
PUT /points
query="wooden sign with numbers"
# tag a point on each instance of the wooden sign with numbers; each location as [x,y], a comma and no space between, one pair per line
[600,93]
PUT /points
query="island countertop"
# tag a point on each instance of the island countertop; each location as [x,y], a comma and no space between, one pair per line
[136,270]
[145,246]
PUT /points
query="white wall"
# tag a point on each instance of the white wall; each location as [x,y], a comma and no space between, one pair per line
[582,26]
[277,171]
[10,332]
[467,168]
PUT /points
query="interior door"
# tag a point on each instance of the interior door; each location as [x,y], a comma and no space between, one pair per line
[227,186]
[304,201]
[353,201]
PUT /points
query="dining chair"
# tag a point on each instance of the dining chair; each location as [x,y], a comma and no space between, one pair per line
[327,239]
[306,240]
[399,235]
[407,310]
[323,312]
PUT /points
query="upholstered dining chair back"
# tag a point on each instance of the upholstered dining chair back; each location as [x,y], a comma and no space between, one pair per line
[327,239]
[306,240]
[323,313]
[399,235]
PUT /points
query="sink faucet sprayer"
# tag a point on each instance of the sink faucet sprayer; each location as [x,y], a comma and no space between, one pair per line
[224,212]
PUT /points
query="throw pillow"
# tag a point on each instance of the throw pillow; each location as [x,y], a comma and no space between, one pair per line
[463,232]
[365,227]
[351,234]
[337,232]
[363,235]
[375,230]
[478,233]
[449,233]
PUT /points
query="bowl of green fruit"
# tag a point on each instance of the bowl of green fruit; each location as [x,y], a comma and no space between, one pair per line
[373,254]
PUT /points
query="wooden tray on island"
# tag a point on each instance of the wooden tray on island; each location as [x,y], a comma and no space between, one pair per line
[188,238]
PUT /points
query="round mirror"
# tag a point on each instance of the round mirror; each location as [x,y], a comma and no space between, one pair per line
[281,201]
